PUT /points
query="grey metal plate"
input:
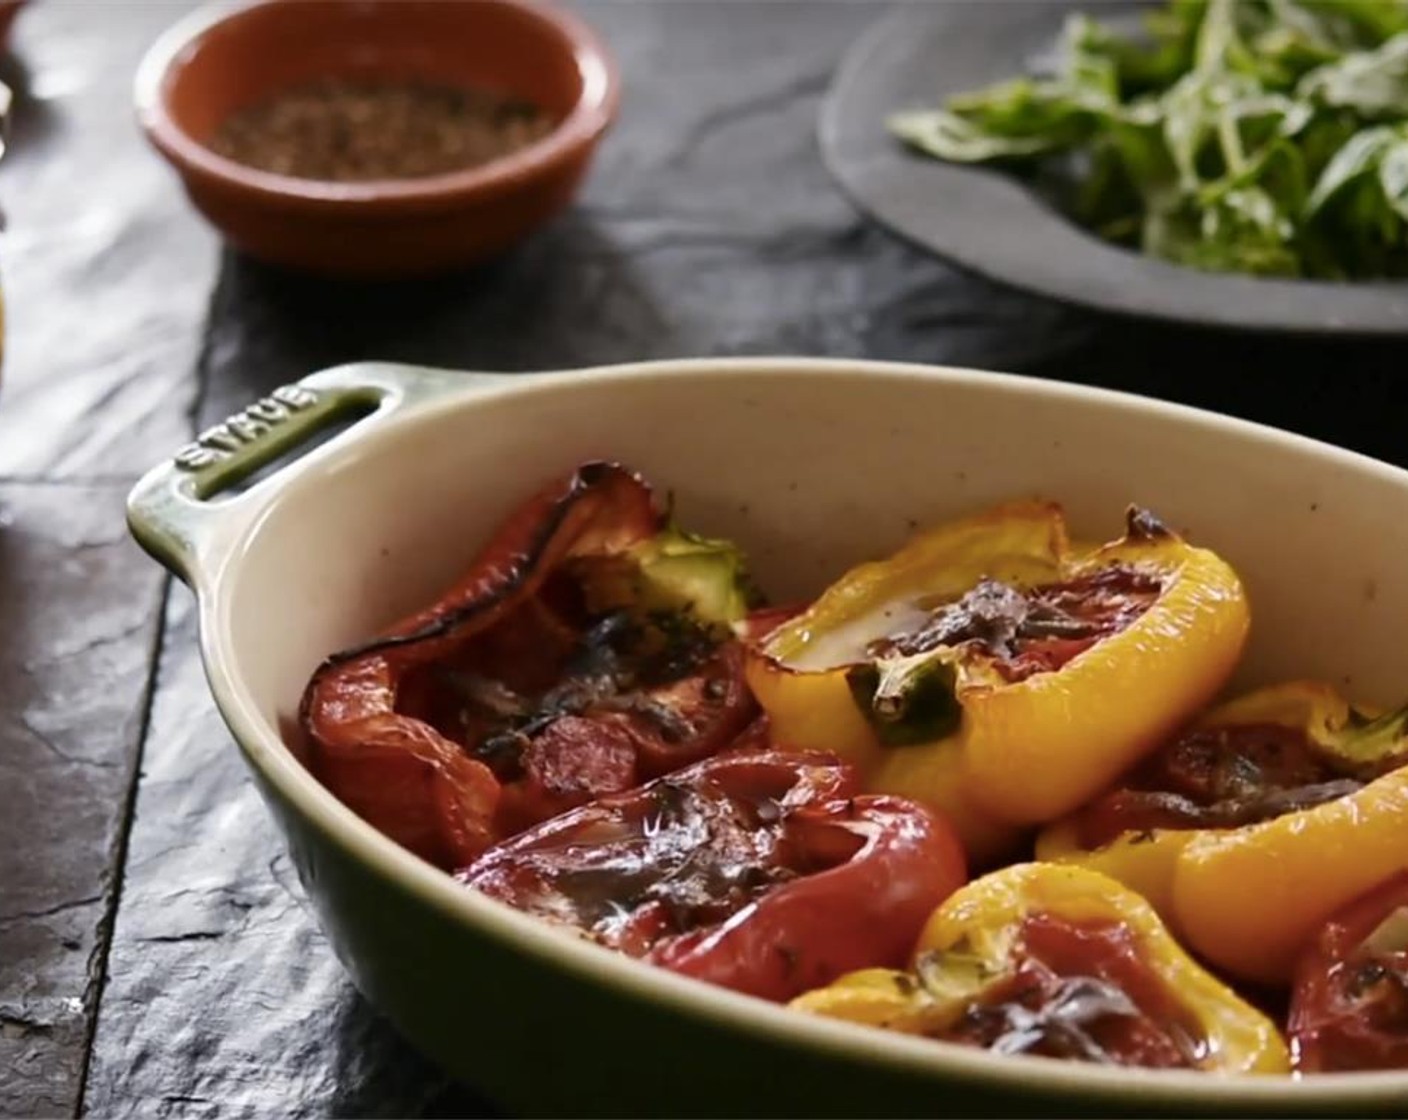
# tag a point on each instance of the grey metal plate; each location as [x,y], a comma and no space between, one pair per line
[990,223]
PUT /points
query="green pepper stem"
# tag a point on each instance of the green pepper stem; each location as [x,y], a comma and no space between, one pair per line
[1374,745]
[907,700]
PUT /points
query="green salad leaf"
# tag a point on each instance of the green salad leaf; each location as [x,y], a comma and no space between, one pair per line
[1261,136]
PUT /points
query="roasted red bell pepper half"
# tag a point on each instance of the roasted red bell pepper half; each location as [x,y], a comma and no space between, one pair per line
[762,871]
[587,649]
[1349,1007]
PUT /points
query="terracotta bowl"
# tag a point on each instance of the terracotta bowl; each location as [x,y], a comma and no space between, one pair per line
[220,60]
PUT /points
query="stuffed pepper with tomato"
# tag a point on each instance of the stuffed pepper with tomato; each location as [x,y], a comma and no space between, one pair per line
[588,648]
[1349,1007]
[767,872]
[1251,828]
[1059,962]
[997,672]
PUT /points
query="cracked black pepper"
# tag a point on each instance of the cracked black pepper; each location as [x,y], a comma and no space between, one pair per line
[346,131]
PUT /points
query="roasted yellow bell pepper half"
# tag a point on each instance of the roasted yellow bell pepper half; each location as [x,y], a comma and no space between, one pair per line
[976,941]
[1248,898]
[998,673]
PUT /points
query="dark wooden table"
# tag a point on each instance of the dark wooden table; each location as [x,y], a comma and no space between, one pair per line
[156,957]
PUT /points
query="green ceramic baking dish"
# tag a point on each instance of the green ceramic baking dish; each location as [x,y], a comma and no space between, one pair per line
[813,466]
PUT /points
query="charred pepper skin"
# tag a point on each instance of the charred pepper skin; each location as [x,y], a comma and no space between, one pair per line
[1248,899]
[1002,754]
[1348,1007]
[419,734]
[767,872]
[415,785]
[969,943]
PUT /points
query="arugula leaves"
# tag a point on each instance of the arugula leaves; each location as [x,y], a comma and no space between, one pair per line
[1260,136]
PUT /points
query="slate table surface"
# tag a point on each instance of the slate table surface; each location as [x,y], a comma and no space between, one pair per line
[156,957]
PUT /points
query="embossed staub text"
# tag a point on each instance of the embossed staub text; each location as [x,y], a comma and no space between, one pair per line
[244,428]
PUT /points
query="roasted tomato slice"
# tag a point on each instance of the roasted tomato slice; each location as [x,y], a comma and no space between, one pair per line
[1060,962]
[1282,749]
[761,871]
[559,668]
[1029,630]
[1218,777]
[1083,991]
[1349,1006]
[607,724]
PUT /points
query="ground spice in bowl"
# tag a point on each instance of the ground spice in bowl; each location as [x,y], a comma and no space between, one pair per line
[352,131]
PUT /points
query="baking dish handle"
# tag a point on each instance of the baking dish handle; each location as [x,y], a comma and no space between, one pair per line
[187,511]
